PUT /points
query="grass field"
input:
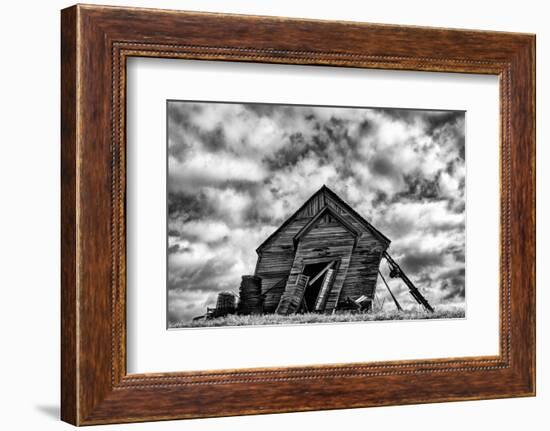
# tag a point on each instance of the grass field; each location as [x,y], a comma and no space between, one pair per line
[441,312]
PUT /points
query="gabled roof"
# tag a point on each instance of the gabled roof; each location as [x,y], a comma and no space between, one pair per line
[342,203]
[326,209]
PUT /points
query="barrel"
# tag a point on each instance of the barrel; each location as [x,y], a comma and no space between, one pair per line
[225,304]
[250,295]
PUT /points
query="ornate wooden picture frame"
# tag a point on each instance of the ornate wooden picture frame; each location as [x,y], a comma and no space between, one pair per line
[96,41]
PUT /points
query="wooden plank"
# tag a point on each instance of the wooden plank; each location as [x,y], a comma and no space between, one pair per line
[340,276]
[325,269]
[391,293]
[292,297]
[323,294]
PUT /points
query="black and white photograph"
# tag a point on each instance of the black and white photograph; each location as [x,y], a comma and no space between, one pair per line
[298,214]
[275,215]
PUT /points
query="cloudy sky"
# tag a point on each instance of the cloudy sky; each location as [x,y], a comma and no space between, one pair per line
[237,171]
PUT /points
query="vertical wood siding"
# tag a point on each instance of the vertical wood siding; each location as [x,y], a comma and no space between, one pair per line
[325,241]
[359,258]
[313,206]
[292,296]
[273,295]
[275,262]
[363,269]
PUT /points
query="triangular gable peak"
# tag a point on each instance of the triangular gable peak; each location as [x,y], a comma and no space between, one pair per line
[324,197]
[326,210]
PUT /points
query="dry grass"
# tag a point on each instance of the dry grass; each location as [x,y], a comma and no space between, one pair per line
[449,312]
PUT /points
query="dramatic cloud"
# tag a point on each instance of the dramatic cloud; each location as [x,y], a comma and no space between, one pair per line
[237,171]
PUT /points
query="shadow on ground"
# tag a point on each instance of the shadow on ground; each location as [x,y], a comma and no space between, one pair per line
[52,411]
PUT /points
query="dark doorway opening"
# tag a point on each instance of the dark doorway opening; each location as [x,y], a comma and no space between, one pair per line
[313,289]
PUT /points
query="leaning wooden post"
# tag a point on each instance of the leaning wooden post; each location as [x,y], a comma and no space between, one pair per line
[389,290]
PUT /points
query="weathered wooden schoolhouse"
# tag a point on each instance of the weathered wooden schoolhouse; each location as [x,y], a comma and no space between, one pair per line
[323,258]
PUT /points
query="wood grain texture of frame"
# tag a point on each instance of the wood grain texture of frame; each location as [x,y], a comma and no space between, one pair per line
[96,41]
